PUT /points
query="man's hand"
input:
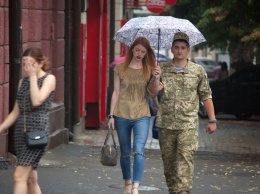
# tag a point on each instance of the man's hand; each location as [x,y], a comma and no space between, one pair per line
[211,127]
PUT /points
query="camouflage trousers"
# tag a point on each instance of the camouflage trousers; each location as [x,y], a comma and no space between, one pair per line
[178,148]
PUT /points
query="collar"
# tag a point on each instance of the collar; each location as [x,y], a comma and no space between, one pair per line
[185,69]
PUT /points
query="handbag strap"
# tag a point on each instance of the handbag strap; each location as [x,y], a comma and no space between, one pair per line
[24,119]
[110,132]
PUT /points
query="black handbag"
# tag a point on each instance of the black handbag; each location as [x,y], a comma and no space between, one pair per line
[35,139]
[109,153]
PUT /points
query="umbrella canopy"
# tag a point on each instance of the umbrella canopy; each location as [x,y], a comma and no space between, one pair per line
[117,61]
[159,30]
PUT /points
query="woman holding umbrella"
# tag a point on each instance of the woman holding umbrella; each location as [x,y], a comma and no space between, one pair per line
[130,109]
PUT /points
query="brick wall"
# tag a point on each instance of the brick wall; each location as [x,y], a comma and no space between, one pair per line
[43,26]
[4,70]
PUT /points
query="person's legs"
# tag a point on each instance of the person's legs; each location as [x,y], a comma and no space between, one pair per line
[21,175]
[187,145]
[168,146]
[124,129]
[33,186]
[141,131]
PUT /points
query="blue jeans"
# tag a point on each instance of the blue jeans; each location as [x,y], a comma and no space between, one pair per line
[140,134]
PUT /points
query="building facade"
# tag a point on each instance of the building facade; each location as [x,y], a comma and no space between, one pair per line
[77,37]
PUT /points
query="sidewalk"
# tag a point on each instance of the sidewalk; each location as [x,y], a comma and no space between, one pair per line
[227,162]
[240,137]
[97,138]
[75,169]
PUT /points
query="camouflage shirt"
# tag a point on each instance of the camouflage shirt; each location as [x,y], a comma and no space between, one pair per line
[179,101]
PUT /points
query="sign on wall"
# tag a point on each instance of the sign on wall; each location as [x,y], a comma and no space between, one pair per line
[156,6]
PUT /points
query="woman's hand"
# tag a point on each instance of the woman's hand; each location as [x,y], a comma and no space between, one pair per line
[31,67]
[111,123]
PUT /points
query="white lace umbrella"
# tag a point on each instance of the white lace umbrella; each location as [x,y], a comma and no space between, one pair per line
[159,30]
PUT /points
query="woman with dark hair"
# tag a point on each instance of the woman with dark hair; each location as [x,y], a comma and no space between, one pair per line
[130,109]
[30,112]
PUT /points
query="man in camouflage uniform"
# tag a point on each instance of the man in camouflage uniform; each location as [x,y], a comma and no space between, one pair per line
[184,84]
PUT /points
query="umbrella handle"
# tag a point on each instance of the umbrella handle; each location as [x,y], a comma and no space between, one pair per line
[159,34]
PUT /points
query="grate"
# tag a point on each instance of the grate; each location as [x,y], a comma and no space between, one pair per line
[3,163]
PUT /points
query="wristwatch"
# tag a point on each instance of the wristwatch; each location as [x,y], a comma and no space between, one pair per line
[110,116]
[213,121]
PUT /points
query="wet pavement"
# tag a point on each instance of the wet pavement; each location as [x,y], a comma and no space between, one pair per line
[227,162]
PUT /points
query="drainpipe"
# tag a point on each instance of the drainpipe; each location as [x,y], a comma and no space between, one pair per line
[15,53]
[111,54]
[72,63]
[67,69]
[76,60]
[112,31]
[124,10]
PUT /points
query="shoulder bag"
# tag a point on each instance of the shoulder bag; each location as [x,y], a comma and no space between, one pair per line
[35,139]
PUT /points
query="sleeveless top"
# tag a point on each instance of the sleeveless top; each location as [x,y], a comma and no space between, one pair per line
[36,117]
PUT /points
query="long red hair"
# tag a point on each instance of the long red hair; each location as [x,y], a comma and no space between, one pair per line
[148,60]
